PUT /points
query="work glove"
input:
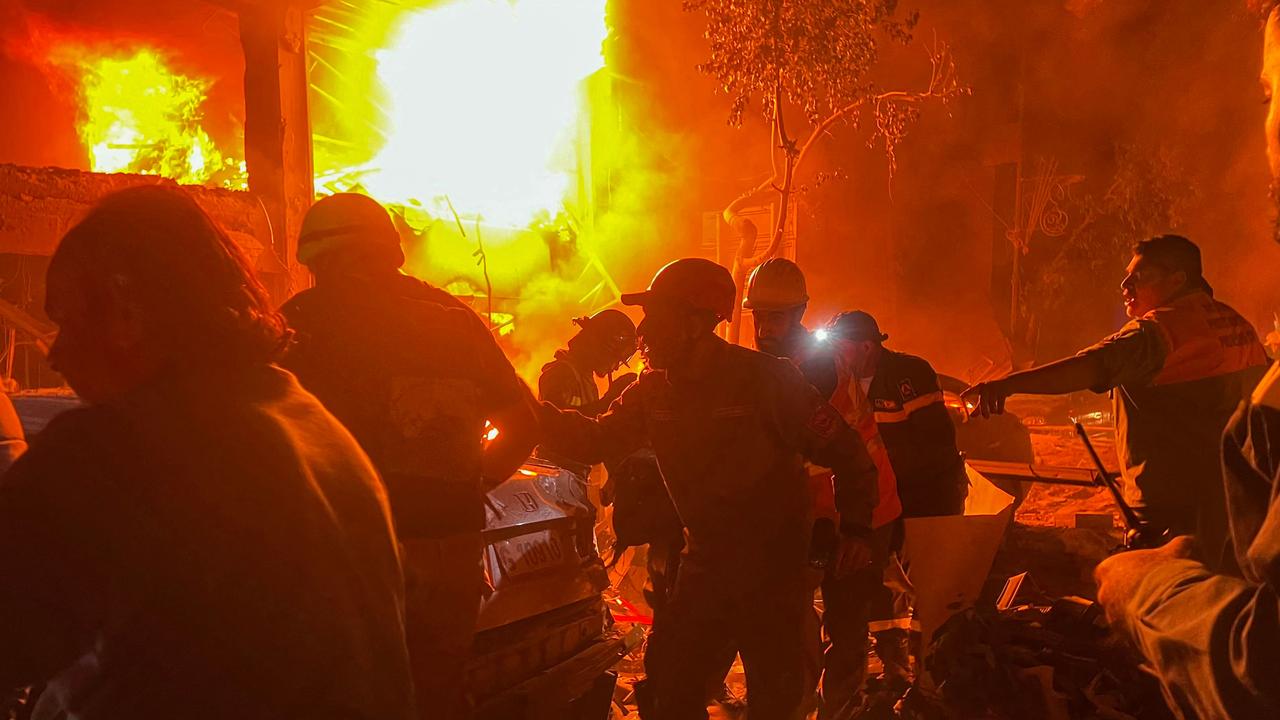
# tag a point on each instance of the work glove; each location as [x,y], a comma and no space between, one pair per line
[619,384]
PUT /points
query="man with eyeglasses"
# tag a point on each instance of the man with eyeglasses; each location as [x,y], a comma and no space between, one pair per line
[1176,372]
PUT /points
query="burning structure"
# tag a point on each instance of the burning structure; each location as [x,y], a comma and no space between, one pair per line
[413,102]
[503,169]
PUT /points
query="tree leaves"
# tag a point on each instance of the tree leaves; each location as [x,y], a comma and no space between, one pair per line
[817,53]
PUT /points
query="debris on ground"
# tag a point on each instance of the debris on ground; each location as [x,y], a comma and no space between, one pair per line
[1052,658]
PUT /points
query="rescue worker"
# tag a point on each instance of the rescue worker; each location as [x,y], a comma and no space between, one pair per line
[642,513]
[1176,371]
[730,427]
[910,416]
[777,296]
[606,342]
[414,377]
[1212,636]
[202,539]
[925,476]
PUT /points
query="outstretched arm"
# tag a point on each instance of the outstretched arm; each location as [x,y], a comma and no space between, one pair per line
[1068,375]
[613,435]
[1135,354]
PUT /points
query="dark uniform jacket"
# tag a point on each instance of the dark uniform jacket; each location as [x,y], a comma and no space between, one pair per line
[414,380]
[919,435]
[642,512]
[214,545]
[731,434]
[564,385]
[1213,638]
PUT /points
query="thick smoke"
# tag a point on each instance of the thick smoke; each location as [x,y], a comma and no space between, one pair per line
[1067,80]
[1070,82]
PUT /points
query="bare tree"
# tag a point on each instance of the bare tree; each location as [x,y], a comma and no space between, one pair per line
[815,56]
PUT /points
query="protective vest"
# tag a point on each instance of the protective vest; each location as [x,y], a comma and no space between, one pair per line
[853,405]
[856,408]
[1206,338]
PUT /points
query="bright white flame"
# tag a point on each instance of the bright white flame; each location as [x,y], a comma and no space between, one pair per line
[485,100]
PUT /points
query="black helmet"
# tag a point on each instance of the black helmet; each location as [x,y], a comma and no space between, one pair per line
[694,283]
[857,326]
[615,332]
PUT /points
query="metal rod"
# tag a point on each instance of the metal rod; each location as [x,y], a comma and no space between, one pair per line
[1131,519]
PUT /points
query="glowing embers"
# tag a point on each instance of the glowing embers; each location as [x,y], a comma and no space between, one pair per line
[485,100]
[139,116]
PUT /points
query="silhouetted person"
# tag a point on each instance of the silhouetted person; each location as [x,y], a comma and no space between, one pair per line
[202,540]
[414,376]
[605,343]
[857,375]
[730,428]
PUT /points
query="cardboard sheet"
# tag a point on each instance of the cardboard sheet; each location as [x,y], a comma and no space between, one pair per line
[948,558]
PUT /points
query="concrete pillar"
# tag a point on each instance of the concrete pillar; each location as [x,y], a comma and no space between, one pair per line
[277,127]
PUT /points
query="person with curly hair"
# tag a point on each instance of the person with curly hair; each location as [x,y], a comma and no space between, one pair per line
[202,539]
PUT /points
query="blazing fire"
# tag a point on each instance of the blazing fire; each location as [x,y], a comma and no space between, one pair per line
[484,103]
[466,115]
[494,132]
[140,116]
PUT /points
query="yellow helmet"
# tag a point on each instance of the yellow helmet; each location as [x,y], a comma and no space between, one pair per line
[348,220]
[777,284]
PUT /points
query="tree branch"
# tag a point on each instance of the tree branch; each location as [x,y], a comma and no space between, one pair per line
[892,119]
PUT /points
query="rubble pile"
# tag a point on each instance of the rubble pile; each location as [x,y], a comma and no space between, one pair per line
[1050,659]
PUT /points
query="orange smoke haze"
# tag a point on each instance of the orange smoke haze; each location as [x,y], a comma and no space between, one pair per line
[1064,80]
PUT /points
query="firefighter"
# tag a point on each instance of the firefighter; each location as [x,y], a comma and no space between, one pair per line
[202,539]
[414,377]
[910,416]
[605,343]
[642,512]
[777,297]
[730,428]
[1211,635]
[1176,372]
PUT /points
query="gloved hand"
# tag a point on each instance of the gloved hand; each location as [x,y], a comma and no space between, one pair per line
[619,383]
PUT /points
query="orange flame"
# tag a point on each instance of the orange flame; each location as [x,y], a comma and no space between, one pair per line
[140,116]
